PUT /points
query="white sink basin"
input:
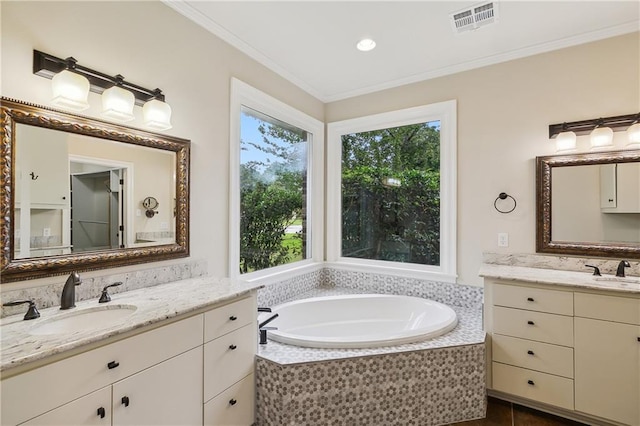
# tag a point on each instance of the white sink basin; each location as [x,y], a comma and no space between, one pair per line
[85,319]
[627,280]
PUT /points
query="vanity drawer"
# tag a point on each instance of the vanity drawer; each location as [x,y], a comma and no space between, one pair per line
[533,385]
[228,359]
[27,395]
[533,355]
[533,299]
[233,407]
[608,308]
[225,319]
[548,328]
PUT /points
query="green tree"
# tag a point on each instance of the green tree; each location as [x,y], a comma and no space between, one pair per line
[271,197]
[397,219]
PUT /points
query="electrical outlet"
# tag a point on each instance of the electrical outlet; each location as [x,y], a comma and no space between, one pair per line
[46,232]
[503,239]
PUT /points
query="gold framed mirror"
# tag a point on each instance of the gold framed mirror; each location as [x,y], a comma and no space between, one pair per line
[73,191]
[589,204]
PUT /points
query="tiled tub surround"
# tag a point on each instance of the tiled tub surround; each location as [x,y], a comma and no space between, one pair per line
[437,381]
[153,305]
[49,295]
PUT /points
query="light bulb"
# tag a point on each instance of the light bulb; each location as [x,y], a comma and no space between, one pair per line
[157,115]
[70,90]
[117,104]
[366,44]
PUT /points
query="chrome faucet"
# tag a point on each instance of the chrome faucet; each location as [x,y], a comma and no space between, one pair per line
[68,299]
[623,264]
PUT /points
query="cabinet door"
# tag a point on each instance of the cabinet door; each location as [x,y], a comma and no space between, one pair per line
[607,376]
[169,393]
[608,198]
[93,409]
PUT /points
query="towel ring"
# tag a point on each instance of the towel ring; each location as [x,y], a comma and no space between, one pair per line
[504,196]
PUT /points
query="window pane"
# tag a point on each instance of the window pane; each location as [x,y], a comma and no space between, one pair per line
[273,189]
[391,194]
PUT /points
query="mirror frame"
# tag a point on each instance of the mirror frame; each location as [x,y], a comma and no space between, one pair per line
[544,243]
[13,112]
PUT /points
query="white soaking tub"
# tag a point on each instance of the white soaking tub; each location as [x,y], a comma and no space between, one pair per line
[360,321]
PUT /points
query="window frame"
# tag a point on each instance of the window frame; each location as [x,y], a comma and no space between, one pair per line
[445,112]
[244,95]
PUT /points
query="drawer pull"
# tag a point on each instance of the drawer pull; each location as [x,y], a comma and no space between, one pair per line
[531,382]
[232,402]
[638,339]
[125,401]
[102,412]
[112,365]
[530,352]
[232,347]
[233,317]
[530,299]
[531,323]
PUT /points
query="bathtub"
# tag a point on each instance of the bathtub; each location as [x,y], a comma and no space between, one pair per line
[360,321]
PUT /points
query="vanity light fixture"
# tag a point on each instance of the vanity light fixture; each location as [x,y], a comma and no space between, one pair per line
[118,95]
[117,103]
[633,134]
[366,44]
[566,140]
[601,136]
[70,89]
[600,130]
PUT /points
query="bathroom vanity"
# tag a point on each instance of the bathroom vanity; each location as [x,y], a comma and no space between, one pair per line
[565,342]
[184,356]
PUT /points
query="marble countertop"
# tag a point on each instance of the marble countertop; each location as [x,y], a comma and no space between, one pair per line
[628,285]
[19,347]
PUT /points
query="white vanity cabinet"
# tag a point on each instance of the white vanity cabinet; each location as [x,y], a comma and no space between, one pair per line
[532,343]
[152,378]
[607,343]
[575,351]
[229,351]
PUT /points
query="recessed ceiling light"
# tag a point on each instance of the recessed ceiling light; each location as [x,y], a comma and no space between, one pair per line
[365,45]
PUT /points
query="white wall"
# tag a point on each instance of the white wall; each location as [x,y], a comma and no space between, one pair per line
[153,46]
[503,110]
[503,116]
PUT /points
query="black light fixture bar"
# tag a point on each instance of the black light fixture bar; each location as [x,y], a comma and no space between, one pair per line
[584,127]
[47,66]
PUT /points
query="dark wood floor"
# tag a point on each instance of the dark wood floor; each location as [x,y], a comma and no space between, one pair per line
[503,413]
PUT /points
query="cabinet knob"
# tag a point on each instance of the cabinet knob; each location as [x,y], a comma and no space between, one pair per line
[530,382]
[530,299]
[125,401]
[530,352]
[112,365]
[232,402]
[102,412]
[233,317]
[232,347]
[531,323]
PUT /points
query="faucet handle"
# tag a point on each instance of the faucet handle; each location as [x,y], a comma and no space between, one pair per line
[32,312]
[596,270]
[105,296]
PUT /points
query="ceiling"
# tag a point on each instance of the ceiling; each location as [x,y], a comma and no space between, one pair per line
[312,43]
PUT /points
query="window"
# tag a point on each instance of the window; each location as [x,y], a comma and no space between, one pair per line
[391,197]
[276,223]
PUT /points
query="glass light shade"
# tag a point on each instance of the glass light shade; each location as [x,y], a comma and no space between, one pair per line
[70,90]
[566,141]
[157,115]
[601,137]
[117,104]
[633,134]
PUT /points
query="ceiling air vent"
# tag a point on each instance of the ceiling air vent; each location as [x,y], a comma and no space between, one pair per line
[474,17]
